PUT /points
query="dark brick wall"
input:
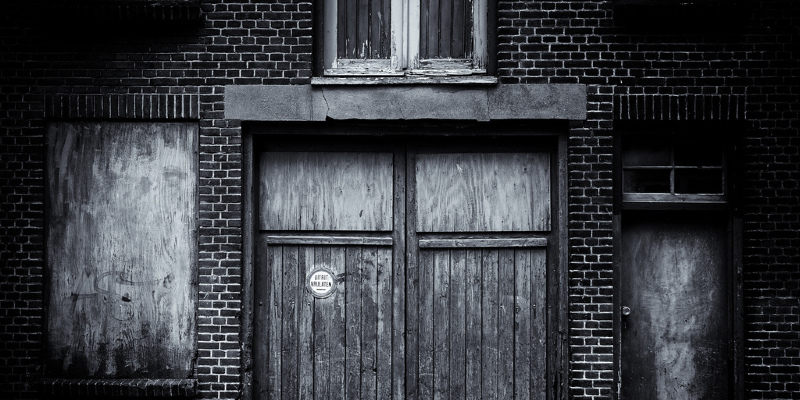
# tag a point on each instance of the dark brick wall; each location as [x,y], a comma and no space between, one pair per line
[745,54]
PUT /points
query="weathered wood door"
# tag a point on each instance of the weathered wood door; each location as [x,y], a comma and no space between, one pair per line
[675,289]
[440,262]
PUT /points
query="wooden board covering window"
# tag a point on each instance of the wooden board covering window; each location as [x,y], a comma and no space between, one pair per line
[483,192]
[121,203]
[445,29]
[326,191]
[363,29]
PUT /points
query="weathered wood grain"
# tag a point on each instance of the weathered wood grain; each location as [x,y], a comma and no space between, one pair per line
[337,326]
[441,324]
[275,264]
[330,240]
[384,323]
[305,326]
[353,281]
[121,203]
[323,332]
[539,317]
[482,242]
[474,324]
[505,323]
[369,323]
[457,331]
[463,192]
[522,324]
[289,342]
[426,324]
[326,191]
[490,313]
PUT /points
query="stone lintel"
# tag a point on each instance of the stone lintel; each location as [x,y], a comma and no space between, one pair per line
[446,102]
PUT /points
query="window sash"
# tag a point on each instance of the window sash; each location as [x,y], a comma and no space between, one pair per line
[405,27]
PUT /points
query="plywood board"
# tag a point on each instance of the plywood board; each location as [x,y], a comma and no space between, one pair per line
[121,203]
[326,191]
[483,192]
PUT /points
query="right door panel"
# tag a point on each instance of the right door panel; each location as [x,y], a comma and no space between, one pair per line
[676,339]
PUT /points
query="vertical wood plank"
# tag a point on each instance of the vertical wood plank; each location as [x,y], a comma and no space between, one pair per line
[399,279]
[457,324]
[289,344]
[522,324]
[426,324]
[411,282]
[384,328]
[353,311]
[305,319]
[505,376]
[538,323]
[441,324]
[490,354]
[474,324]
[323,308]
[337,325]
[540,174]
[275,264]
[348,36]
[369,323]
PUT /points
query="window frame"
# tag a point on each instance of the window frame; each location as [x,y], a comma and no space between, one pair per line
[404,45]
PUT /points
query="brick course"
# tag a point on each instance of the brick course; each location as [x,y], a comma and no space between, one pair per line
[750,65]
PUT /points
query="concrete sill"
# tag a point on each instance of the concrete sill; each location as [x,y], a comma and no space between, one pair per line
[404,80]
[105,388]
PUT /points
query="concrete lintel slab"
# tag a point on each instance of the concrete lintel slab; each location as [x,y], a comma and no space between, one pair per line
[319,103]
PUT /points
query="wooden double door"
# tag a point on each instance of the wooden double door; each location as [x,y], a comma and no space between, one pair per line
[441,257]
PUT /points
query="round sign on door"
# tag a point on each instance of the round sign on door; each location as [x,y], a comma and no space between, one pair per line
[321,282]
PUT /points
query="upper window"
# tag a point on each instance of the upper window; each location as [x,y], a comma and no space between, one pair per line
[401,37]
[673,168]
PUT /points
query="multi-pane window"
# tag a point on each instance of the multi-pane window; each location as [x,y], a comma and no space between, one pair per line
[672,168]
[400,37]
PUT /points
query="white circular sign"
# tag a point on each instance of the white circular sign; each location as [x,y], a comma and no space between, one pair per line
[321,282]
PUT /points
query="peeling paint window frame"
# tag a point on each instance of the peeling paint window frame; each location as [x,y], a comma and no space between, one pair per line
[405,47]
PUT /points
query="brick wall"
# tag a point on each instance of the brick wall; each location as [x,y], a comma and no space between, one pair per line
[49,51]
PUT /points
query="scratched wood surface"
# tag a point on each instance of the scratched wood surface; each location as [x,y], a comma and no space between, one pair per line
[326,191]
[121,248]
[482,323]
[483,192]
[676,340]
[339,347]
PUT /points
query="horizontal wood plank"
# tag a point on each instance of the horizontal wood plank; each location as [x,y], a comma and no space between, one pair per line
[486,243]
[331,240]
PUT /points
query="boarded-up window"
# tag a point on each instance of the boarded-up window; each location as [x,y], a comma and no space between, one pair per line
[121,205]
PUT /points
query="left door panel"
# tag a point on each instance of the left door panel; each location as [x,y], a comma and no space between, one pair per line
[333,211]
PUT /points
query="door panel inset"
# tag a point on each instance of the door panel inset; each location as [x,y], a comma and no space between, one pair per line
[483,192]
[326,191]
[334,347]
[482,323]
[676,340]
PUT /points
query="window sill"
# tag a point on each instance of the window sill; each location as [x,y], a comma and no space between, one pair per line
[404,80]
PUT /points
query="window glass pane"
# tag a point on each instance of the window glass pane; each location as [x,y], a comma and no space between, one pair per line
[364,29]
[646,181]
[645,152]
[698,154]
[698,181]
[445,29]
